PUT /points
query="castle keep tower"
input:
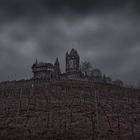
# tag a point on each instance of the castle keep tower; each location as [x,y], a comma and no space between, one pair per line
[72,61]
[73,65]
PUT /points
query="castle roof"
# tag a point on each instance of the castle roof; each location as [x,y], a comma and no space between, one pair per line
[57,61]
[73,52]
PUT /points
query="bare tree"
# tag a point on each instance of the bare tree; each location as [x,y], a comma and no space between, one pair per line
[86,67]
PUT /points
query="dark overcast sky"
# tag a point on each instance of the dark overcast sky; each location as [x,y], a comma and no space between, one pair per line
[105,32]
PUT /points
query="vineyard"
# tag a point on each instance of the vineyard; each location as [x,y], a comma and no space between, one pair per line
[68,110]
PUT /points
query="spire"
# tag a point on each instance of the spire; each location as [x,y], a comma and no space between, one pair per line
[57,69]
[73,52]
[57,61]
[67,53]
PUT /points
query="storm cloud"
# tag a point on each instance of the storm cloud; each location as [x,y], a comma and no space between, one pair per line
[105,32]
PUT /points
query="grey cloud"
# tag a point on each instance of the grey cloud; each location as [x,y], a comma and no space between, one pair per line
[109,40]
[16,8]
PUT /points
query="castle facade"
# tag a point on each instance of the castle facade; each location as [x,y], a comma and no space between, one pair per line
[49,71]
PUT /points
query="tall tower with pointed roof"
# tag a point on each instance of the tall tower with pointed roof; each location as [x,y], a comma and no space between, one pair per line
[72,61]
[57,70]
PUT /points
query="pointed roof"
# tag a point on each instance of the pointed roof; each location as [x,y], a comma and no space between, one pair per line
[67,53]
[57,61]
[35,64]
[73,52]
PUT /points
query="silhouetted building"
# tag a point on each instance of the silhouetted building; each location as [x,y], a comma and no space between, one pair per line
[49,71]
[72,65]
[72,61]
[43,71]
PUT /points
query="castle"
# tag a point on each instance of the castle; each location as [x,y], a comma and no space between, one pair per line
[49,71]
